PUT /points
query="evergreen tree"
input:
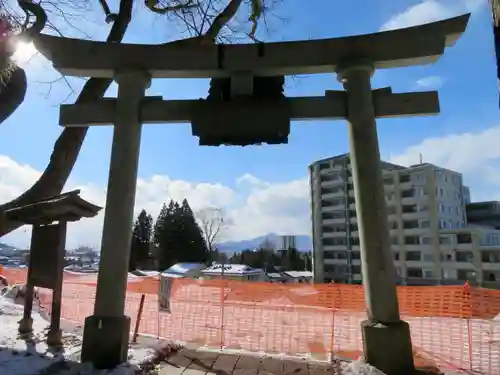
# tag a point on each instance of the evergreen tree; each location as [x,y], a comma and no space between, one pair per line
[192,246]
[141,238]
[163,236]
[178,236]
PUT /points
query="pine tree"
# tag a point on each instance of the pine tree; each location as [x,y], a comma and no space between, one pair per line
[192,246]
[164,236]
[141,238]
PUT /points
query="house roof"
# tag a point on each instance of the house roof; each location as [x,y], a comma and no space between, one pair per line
[299,274]
[65,207]
[183,268]
[233,269]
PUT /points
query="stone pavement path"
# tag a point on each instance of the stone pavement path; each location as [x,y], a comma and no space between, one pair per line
[198,362]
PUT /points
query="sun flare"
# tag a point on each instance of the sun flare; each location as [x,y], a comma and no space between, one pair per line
[24,52]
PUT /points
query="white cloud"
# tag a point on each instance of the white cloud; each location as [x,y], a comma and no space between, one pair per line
[476,155]
[430,11]
[257,207]
[430,82]
[251,180]
[264,208]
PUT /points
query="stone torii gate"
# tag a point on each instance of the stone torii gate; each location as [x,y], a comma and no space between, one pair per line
[387,342]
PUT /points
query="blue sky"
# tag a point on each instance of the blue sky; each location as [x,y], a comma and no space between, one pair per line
[265,189]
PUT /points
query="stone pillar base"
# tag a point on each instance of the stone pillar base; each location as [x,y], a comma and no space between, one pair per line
[25,326]
[54,338]
[105,341]
[388,347]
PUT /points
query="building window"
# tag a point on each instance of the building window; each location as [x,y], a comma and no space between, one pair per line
[445,240]
[464,238]
[412,240]
[425,240]
[424,224]
[419,177]
[464,256]
[404,178]
[428,274]
[428,257]
[413,256]
[415,272]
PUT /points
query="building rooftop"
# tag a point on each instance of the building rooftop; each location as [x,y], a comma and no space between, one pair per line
[234,269]
[182,268]
[299,274]
[386,164]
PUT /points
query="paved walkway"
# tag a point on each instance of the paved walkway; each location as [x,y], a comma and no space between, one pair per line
[197,362]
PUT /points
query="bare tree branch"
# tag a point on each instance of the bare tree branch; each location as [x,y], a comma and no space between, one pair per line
[213,223]
[153,6]
[205,20]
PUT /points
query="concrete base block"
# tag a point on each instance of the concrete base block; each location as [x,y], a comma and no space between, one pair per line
[105,341]
[54,338]
[388,347]
[25,326]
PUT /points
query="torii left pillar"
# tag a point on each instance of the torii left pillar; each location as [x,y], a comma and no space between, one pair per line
[106,333]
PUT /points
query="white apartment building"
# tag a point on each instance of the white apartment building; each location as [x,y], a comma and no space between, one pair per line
[427,221]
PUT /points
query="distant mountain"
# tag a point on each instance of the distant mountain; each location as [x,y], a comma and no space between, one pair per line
[7,250]
[304,243]
[4,246]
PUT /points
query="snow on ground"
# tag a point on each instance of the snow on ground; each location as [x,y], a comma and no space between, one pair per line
[31,356]
[23,356]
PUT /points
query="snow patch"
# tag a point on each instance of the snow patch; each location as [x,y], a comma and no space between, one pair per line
[29,355]
[359,367]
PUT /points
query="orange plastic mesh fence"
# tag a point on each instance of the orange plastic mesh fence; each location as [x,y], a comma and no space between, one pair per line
[452,327]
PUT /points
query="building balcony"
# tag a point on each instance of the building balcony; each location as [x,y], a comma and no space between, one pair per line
[333,221]
[419,264]
[463,246]
[414,215]
[332,183]
[416,247]
[393,217]
[392,232]
[334,234]
[415,231]
[357,277]
[336,262]
[327,171]
[414,199]
[338,194]
[334,247]
[405,185]
[454,265]
[490,266]
[337,207]
[388,187]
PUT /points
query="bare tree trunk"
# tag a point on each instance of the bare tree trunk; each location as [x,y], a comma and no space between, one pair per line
[69,143]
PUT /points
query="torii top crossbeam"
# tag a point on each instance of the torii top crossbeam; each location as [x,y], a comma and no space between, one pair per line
[404,47]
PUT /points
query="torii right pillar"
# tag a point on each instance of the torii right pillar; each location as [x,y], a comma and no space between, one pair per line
[386,338]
